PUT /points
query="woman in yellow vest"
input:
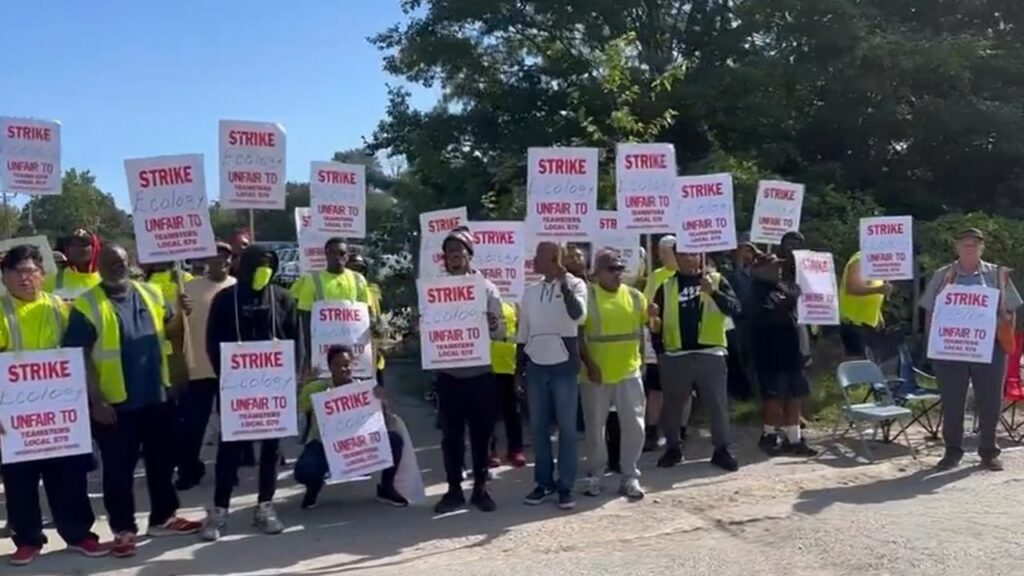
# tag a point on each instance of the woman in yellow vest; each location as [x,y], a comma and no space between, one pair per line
[860,308]
[34,320]
[503,365]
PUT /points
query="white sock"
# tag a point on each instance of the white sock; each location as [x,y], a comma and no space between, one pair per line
[793,433]
[769,430]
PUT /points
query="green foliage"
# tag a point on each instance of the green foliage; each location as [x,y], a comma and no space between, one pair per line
[79,205]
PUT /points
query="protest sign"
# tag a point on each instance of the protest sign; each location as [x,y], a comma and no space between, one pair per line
[352,428]
[170,212]
[646,187]
[499,255]
[887,248]
[706,220]
[44,406]
[30,153]
[434,227]
[252,165]
[776,210]
[453,322]
[561,192]
[611,235]
[42,243]
[257,390]
[819,299]
[963,326]
[311,243]
[337,199]
[346,323]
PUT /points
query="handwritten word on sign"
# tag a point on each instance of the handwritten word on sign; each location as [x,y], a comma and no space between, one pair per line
[646,187]
[30,152]
[453,322]
[611,235]
[257,390]
[500,255]
[963,324]
[561,192]
[311,243]
[353,431]
[776,210]
[819,296]
[434,227]
[252,165]
[44,406]
[337,198]
[345,323]
[170,212]
[706,220]
[887,248]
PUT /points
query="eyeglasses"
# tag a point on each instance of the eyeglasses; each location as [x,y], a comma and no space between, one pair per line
[33,271]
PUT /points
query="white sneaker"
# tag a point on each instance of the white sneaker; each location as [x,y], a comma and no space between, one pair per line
[592,486]
[215,525]
[266,519]
[631,489]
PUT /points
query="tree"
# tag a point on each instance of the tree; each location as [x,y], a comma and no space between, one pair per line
[81,204]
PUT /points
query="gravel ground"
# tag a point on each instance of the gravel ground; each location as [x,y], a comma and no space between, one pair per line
[830,516]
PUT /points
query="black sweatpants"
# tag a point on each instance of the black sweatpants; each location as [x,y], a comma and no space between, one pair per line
[461,402]
[194,408]
[148,431]
[67,489]
[510,413]
[229,458]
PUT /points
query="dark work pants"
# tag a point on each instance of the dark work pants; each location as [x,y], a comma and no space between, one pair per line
[509,400]
[229,458]
[149,431]
[461,402]
[311,467]
[67,489]
[194,407]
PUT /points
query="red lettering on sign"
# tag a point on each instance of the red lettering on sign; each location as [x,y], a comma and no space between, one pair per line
[165,223]
[780,194]
[340,315]
[443,224]
[336,177]
[251,138]
[171,176]
[450,294]
[703,190]
[640,202]
[961,299]
[256,360]
[494,237]
[646,162]
[347,402]
[29,371]
[566,166]
[816,265]
[19,132]
[885,229]
[557,208]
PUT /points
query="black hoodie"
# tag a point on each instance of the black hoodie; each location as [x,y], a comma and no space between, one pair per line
[256,311]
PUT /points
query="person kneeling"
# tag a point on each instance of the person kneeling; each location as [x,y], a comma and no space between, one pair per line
[312,467]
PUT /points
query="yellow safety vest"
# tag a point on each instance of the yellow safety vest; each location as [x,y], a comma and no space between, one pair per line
[614,330]
[503,352]
[658,277]
[712,321]
[167,282]
[69,280]
[324,286]
[374,294]
[106,353]
[42,334]
[863,310]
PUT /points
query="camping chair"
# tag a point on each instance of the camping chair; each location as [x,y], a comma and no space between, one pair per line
[1012,417]
[877,408]
[918,391]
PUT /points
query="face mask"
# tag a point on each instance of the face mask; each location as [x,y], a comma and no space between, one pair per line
[261,277]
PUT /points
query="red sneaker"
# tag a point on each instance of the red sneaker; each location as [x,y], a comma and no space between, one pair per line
[90,547]
[124,545]
[24,555]
[495,461]
[175,526]
[516,459]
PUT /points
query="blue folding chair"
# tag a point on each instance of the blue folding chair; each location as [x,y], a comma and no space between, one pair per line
[918,391]
[877,407]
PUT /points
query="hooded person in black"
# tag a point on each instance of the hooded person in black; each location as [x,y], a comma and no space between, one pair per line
[252,310]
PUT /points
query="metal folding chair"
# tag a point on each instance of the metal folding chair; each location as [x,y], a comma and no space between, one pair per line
[878,407]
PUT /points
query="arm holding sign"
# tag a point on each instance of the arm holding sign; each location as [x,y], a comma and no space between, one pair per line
[82,334]
[856,286]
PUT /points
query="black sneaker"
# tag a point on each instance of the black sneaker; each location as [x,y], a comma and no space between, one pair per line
[724,460]
[798,448]
[391,496]
[450,502]
[992,463]
[566,500]
[949,461]
[312,492]
[482,500]
[651,439]
[769,444]
[671,457]
[538,496]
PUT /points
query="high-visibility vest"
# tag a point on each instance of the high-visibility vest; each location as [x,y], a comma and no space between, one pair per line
[865,310]
[29,335]
[503,352]
[68,282]
[106,353]
[614,330]
[658,277]
[167,282]
[352,287]
[713,322]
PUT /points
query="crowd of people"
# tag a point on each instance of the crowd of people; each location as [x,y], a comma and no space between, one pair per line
[630,357]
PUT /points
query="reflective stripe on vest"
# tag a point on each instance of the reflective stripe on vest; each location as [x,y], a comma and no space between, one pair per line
[17,342]
[594,314]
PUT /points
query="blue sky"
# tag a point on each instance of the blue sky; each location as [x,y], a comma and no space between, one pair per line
[131,79]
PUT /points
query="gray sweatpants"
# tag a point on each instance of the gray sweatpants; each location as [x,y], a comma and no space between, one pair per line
[679,374]
[953,379]
[631,404]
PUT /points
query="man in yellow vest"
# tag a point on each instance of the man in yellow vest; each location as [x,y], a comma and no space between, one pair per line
[81,249]
[503,365]
[123,327]
[860,308]
[612,350]
[34,320]
[357,263]
[688,318]
[333,284]
[164,275]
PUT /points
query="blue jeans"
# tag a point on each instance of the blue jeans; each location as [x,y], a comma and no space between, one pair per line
[553,394]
